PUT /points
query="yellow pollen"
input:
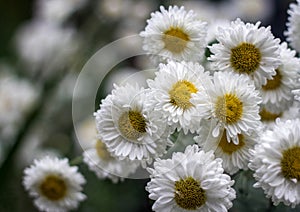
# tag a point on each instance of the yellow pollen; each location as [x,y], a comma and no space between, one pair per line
[229,108]
[102,151]
[53,188]
[230,148]
[175,40]
[180,94]
[132,125]
[268,116]
[245,58]
[290,163]
[274,83]
[188,194]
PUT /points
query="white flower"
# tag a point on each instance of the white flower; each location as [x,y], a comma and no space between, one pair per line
[276,163]
[233,102]
[57,11]
[293,27]
[55,185]
[128,128]
[100,161]
[278,89]
[44,46]
[234,156]
[17,96]
[190,181]
[175,34]
[172,91]
[246,49]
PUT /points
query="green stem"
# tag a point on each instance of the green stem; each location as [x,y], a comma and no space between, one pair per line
[76,161]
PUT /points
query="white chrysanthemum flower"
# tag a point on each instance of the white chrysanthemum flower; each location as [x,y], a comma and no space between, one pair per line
[55,185]
[175,34]
[128,128]
[276,163]
[190,181]
[100,161]
[246,49]
[233,102]
[278,89]
[172,91]
[293,26]
[235,156]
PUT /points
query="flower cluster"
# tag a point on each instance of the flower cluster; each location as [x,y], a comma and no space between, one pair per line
[237,102]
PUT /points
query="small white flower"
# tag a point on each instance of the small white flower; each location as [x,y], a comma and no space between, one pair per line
[233,102]
[276,163]
[175,34]
[278,89]
[100,161]
[246,49]
[55,185]
[190,181]
[293,27]
[129,128]
[172,91]
[235,156]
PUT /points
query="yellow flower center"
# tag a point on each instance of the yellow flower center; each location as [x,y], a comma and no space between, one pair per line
[132,125]
[245,58]
[180,94]
[102,151]
[274,83]
[53,187]
[188,194]
[230,148]
[175,40]
[268,116]
[290,163]
[229,108]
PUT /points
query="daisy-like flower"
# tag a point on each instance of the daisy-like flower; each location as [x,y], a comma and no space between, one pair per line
[246,49]
[190,181]
[278,89]
[100,161]
[233,102]
[129,128]
[175,34]
[293,27]
[276,163]
[235,156]
[172,91]
[55,185]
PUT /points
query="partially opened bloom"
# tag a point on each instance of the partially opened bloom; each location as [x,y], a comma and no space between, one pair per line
[190,181]
[129,128]
[278,90]
[276,163]
[175,34]
[172,90]
[246,49]
[293,26]
[55,185]
[233,102]
[235,156]
[105,166]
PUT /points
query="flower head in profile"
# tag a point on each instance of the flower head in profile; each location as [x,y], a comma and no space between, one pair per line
[128,128]
[235,156]
[55,185]
[246,49]
[105,166]
[293,27]
[172,90]
[276,163]
[175,34]
[233,102]
[190,181]
[278,90]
